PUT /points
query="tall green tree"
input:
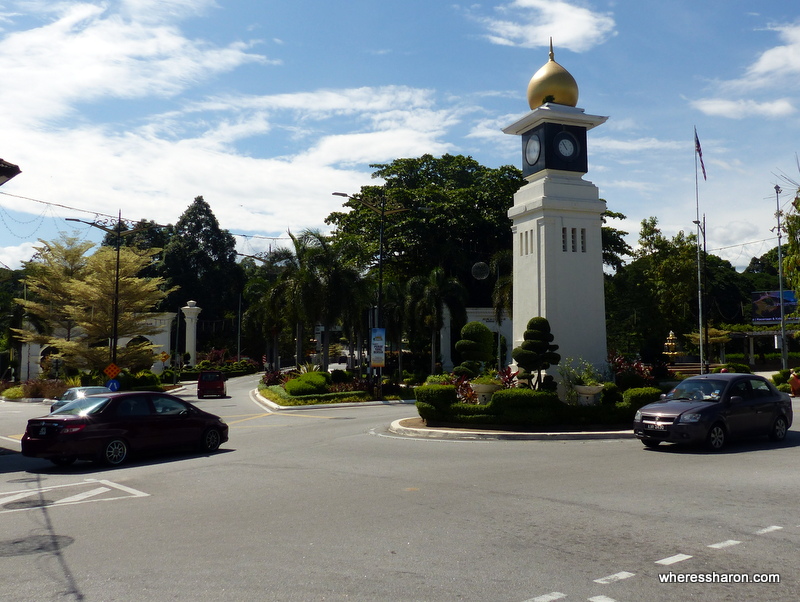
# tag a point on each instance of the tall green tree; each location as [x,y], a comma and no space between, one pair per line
[47,277]
[71,298]
[456,215]
[200,259]
[90,303]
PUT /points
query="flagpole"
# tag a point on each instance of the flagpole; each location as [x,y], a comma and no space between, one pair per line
[699,270]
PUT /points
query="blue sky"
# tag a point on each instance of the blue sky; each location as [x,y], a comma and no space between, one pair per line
[267,107]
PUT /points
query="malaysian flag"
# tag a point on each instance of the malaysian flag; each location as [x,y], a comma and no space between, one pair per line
[699,152]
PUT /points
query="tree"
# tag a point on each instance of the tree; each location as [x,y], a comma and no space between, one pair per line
[613,242]
[536,354]
[82,326]
[47,275]
[427,298]
[457,215]
[200,259]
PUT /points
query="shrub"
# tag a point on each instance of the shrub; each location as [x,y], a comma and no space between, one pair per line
[340,376]
[536,354]
[38,388]
[781,377]
[475,349]
[633,399]
[785,388]
[434,402]
[309,383]
[610,394]
[14,393]
[740,368]
[526,406]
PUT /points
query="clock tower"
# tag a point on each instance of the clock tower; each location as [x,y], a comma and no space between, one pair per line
[556,221]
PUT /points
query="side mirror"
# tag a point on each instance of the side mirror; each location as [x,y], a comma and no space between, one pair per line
[735,399]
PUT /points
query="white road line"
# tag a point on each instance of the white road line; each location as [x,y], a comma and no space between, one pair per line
[104,487]
[601,599]
[724,544]
[548,597]
[615,577]
[673,559]
[83,496]
[17,496]
[131,490]
[768,530]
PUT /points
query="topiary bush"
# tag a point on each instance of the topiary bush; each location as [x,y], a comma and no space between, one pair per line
[535,355]
[434,402]
[475,349]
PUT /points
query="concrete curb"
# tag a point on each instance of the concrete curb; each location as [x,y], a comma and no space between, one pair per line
[398,428]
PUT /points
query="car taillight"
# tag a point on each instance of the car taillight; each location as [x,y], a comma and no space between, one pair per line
[69,430]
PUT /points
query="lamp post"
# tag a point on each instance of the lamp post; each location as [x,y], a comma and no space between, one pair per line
[115,311]
[701,229]
[8,171]
[381,211]
[784,351]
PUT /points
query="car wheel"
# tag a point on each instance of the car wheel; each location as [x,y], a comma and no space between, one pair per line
[715,440]
[63,461]
[647,442]
[114,452]
[779,428]
[211,440]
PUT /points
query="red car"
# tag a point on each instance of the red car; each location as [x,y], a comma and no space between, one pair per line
[108,428]
[211,382]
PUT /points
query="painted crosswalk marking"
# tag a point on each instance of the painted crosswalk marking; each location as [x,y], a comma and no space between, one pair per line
[725,544]
[768,530]
[89,490]
[615,577]
[673,559]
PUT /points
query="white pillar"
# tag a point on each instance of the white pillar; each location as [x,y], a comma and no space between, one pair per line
[190,312]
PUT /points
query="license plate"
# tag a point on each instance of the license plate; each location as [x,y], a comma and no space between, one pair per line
[656,427]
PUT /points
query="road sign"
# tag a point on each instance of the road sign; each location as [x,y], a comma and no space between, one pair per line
[112,371]
[113,385]
[164,356]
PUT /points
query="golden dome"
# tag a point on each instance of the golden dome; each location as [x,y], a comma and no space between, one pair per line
[552,83]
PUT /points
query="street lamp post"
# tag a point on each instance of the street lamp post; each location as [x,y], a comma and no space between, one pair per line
[784,351]
[701,229]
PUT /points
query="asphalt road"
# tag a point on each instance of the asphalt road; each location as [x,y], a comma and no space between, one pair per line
[326,504]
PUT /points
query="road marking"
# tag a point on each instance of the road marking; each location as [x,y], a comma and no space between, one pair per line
[109,491]
[601,599]
[83,496]
[673,559]
[548,597]
[724,544]
[768,530]
[615,577]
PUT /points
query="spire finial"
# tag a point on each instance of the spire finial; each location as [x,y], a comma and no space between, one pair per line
[552,55]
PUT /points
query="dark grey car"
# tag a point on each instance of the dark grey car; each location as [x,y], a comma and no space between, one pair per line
[712,408]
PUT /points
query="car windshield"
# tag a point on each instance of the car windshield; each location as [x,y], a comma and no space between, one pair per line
[84,406]
[697,390]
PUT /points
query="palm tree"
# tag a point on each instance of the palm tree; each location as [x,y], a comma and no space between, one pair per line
[502,266]
[316,284]
[427,298]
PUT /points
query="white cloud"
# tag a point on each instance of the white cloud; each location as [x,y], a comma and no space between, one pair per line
[531,23]
[91,52]
[740,109]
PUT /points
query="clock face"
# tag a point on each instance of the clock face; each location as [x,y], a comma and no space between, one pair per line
[566,145]
[533,149]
